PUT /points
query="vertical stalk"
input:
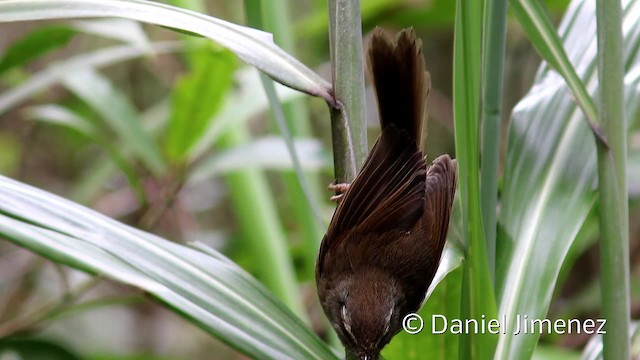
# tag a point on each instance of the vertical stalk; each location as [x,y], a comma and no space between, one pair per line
[348,124]
[277,20]
[612,175]
[495,20]
[349,131]
[259,223]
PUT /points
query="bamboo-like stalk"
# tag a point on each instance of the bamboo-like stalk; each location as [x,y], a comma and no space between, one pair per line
[495,20]
[612,175]
[349,131]
[258,220]
[348,123]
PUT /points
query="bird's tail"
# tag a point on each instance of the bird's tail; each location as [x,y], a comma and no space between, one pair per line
[399,75]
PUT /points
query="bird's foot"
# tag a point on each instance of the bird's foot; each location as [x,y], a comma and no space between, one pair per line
[339,188]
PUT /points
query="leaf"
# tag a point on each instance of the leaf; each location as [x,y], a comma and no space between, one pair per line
[55,72]
[269,152]
[34,45]
[550,176]
[253,46]
[62,116]
[127,31]
[196,99]
[477,285]
[248,99]
[204,287]
[538,26]
[35,348]
[58,115]
[117,112]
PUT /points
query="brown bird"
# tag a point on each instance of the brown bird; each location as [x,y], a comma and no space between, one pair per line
[386,237]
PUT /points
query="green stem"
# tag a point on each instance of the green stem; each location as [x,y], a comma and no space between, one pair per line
[304,198]
[612,175]
[349,131]
[495,20]
[348,123]
[259,223]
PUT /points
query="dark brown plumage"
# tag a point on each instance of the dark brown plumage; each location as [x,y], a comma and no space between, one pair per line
[385,239]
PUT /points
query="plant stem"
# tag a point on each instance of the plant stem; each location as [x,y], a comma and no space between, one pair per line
[349,131]
[495,20]
[304,198]
[612,175]
[259,223]
[348,123]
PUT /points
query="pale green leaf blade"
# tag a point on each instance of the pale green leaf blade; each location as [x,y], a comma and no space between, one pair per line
[253,46]
[209,291]
[55,72]
[118,113]
[538,26]
[550,183]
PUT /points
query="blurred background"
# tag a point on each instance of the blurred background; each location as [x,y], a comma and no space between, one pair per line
[114,138]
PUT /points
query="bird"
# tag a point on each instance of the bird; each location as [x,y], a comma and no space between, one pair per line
[385,240]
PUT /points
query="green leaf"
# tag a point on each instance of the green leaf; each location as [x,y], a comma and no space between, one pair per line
[34,45]
[549,176]
[248,99]
[117,112]
[203,286]
[269,153]
[477,293]
[536,23]
[130,32]
[59,115]
[196,99]
[35,348]
[253,46]
[55,72]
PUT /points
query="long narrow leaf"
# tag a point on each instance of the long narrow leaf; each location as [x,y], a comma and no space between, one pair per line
[209,291]
[477,293]
[117,112]
[253,46]
[549,175]
[55,72]
[538,26]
